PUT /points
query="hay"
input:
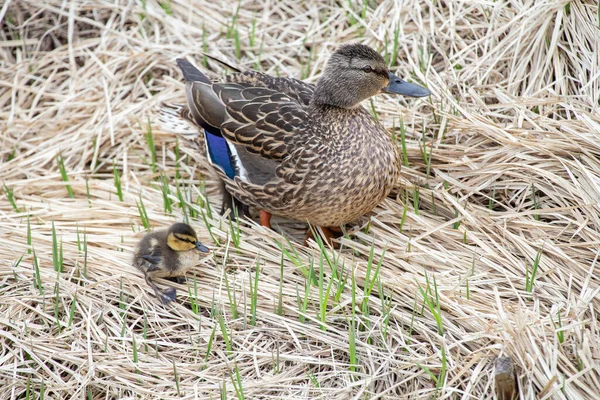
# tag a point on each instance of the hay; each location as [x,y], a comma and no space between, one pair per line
[503,166]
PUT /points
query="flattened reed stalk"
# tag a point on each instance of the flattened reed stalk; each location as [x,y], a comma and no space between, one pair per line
[426,292]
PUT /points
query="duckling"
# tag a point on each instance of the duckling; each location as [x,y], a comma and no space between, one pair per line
[168,254]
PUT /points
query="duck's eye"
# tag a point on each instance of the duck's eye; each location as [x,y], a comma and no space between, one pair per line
[367,68]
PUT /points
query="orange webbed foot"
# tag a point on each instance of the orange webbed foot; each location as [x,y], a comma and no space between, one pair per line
[329,233]
[265,219]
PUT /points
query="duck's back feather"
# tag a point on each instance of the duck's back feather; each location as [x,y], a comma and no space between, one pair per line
[300,91]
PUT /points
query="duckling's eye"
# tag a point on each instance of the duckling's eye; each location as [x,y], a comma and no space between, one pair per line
[367,69]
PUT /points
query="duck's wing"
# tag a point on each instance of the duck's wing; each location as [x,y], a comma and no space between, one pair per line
[152,258]
[260,119]
[300,91]
[249,127]
[149,255]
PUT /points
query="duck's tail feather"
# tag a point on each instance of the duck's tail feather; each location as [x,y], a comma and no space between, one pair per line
[171,120]
[191,73]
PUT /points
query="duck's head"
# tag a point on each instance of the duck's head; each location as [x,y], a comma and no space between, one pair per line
[182,237]
[356,72]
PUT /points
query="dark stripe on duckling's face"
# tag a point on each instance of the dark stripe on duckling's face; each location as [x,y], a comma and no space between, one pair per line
[181,242]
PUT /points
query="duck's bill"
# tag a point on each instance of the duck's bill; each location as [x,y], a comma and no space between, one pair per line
[398,86]
[201,247]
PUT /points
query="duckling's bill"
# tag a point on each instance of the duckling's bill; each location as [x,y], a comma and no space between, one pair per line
[202,248]
[399,86]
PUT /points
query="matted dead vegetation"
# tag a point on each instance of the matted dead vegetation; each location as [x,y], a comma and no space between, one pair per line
[502,174]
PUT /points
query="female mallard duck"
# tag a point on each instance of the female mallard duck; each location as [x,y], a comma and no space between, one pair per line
[168,254]
[305,152]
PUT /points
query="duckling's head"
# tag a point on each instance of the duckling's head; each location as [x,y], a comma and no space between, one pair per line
[356,72]
[182,237]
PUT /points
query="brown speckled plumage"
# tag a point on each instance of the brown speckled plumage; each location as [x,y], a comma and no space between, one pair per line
[328,176]
[309,153]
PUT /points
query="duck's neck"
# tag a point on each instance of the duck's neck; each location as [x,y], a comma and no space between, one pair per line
[329,93]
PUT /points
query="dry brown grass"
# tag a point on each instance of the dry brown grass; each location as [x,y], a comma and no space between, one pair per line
[513,132]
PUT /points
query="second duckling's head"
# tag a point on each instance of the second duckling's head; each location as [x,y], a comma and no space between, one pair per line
[356,72]
[182,237]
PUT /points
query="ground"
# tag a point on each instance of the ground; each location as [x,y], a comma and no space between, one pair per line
[487,247]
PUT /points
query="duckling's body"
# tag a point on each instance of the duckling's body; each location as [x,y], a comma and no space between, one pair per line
[168,254]
[302,151]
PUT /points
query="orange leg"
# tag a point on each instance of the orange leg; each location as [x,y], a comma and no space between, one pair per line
[329,233]
[309,235]
[336,230]
[265,218]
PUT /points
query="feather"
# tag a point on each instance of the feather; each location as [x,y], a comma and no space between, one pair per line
[171,120]
[191,73]
[152,258]
[219,152]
